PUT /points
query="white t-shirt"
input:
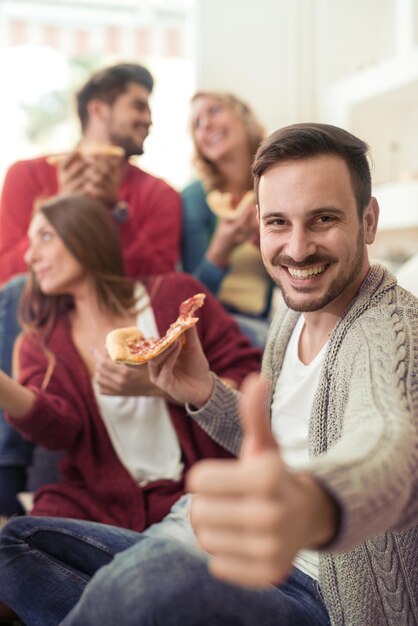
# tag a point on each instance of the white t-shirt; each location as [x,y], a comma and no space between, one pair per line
[291,410]
[140,427]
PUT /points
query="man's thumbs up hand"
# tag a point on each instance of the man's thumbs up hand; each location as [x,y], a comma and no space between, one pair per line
[237,510]
[253,514]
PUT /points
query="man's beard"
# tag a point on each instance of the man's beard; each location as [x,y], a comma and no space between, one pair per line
[131,148]
[337,286]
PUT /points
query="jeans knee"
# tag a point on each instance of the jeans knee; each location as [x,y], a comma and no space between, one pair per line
[142,585]
[16,530]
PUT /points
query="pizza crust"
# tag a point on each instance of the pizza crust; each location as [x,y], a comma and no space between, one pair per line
[117,341]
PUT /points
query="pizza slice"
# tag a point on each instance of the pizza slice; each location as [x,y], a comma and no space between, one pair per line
[89,149]
[129,346]
[221,204]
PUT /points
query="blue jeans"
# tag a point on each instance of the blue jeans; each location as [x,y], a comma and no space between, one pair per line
[49,577]
[45,563]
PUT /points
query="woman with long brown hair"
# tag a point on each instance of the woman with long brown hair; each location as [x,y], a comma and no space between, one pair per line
[125,455]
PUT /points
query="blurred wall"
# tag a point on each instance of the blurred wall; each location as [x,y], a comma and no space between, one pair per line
[262,51]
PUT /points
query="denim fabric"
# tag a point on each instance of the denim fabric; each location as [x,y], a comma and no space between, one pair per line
[163,582]
[45,563]
[76,573]
[14,450]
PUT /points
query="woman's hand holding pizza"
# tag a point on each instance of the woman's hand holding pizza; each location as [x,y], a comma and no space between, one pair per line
[123,380]
[182,371]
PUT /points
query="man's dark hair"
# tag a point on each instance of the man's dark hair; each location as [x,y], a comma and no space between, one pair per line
[303,141]
[109,83]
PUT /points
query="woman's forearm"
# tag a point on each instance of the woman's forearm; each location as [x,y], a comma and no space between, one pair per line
[15,399]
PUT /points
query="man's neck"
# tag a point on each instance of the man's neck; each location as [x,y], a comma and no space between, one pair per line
[315,334]
[320,324]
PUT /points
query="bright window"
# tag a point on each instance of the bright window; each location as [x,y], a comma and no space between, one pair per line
[47,50]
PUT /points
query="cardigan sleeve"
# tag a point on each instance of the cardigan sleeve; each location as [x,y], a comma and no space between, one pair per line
[55,419]
[372,470]
[219,418]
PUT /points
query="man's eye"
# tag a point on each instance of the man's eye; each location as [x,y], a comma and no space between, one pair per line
[325,219]
[46,236]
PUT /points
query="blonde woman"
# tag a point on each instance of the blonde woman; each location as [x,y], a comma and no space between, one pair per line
[223,252]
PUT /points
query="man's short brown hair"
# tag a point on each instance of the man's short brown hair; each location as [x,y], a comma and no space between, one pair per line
[307,140]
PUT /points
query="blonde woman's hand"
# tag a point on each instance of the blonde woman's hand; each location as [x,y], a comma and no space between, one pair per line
[230,234]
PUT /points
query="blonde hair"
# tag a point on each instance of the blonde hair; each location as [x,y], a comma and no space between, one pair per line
[206,169]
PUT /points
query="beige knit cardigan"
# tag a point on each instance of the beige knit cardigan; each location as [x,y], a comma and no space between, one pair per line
[363,444]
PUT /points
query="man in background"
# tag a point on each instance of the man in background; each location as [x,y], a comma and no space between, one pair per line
[113,108]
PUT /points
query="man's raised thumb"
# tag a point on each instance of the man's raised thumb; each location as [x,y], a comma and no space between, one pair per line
[255,417]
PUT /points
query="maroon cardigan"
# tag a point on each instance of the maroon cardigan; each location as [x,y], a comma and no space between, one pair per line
[96,486]
[150,238]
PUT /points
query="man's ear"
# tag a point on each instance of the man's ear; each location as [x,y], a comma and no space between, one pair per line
[370,220]
[98,110]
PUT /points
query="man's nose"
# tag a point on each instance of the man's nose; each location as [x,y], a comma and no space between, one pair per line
[147,118]
[300,244]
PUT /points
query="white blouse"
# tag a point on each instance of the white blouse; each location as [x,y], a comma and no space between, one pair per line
[140,427]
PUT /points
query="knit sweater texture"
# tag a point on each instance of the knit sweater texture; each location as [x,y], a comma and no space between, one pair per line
[363,445]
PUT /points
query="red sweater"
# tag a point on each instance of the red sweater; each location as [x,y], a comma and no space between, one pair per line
[96,486]
[150,238]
